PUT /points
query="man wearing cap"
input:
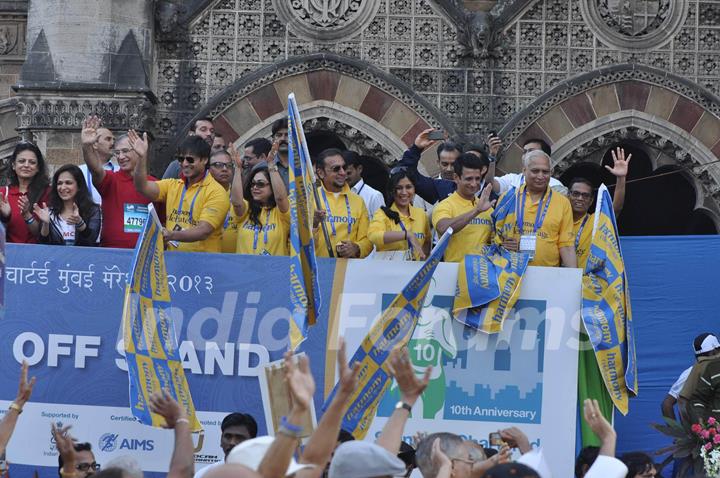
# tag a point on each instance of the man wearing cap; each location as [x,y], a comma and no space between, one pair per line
[704,345]
[235,429]
[700,396]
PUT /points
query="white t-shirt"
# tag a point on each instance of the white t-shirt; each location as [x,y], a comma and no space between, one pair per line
[679,383]
[202,472]
[67,230]
[372,197]
[111,165]
[511,180]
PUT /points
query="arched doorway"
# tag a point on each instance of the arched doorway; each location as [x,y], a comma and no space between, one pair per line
[670,125]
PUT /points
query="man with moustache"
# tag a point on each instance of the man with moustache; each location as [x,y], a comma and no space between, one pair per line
[202,127]
[280,134]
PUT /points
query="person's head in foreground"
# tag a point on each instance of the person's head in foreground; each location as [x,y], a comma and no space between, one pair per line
[363,459]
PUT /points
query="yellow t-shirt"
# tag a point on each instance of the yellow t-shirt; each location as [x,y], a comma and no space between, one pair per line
[473,238]
[230,231]
[416,223]
[582,249]
[205,201]
[269,239]
[342,226]
[556,230]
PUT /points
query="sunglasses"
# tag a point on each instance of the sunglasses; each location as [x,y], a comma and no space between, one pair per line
[182,159]
[221,165]
[578,195]
[259,184]
[87,466]
[336,169]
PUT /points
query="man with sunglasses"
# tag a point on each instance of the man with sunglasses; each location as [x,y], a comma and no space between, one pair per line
[344,211]
[196,206]
[581,196]
[124,210]
[222,169]
[85,464]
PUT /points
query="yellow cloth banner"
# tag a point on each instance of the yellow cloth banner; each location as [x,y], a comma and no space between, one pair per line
[151,347]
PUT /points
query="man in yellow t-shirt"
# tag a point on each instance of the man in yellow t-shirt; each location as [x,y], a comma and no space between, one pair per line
[196,205]
[468,215]
[544,222]
[344,212]
[221,168]
[581,195]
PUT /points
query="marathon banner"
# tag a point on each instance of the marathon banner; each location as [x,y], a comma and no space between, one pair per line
[394,329]
[63,316]
[305,291]
[606,311]
[149,335]
[488,287]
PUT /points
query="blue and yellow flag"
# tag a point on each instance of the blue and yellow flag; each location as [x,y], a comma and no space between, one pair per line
[394,328]
[151,347]
[606,309]
[489,284]
[304,286]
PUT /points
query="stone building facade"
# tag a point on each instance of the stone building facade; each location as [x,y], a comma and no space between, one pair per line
[585,75]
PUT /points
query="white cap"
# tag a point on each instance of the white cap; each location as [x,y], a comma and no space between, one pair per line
[708,344]
[251,452]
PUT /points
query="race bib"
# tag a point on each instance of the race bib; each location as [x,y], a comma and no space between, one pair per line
[528,243]
[134,217]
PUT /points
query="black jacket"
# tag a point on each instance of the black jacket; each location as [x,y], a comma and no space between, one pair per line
[88,237]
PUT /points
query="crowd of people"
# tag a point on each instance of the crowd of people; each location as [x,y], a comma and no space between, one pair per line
[333,452]
[214,197]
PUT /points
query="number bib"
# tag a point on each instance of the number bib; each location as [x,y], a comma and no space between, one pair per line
[528,243]
[134,217]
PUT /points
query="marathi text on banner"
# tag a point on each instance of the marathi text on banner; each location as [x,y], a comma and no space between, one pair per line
[149,333]
[394,328]
[304,286]
[606,309]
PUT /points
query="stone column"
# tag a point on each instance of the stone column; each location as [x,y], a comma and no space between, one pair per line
[84,57]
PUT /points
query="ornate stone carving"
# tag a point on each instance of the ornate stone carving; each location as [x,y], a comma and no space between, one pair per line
[8,38]
[353,138]
[480,36]
[634,17]
[326,20]
[63,114]
[634,24]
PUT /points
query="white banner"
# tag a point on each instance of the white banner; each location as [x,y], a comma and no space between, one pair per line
[526,376]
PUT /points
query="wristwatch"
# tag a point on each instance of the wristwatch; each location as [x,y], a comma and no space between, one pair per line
[404,405]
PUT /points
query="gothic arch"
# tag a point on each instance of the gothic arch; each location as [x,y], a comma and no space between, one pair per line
[681,118]
[372,109]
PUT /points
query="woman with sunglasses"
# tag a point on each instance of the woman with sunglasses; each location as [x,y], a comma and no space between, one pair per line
[28,186]
[71,218]
[262,210]
[401,226]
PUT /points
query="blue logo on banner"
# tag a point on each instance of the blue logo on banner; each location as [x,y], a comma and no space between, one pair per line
[108,442]
[480,377]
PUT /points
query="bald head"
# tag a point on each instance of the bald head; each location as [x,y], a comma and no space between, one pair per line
[232,471]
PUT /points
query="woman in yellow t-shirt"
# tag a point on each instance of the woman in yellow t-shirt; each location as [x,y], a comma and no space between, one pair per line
[401,226]
[263,212]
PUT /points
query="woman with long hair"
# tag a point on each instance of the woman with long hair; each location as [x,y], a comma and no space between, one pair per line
[71,218]
[262,209]
[401,226]
[28,186]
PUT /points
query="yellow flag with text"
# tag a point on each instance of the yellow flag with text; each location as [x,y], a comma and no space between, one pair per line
[151,347]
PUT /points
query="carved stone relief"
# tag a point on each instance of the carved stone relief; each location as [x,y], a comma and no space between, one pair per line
[326,20]
[352,137]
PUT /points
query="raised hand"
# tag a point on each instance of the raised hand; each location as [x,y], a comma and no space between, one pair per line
[348,375]
[235,157]
[318,217]
[515,438]
[300,381]
[400,367]
[43,213]
[494,144]
[484,203]
[89,134]
[75,217]
[273,150]
[422,141]
[440,460]
[65,444]
[165,405]
[620,163]
[26,387]
[600,426]
[5,208]
[139,145]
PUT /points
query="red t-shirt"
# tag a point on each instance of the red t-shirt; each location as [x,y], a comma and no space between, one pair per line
[17,230]
[119,198]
